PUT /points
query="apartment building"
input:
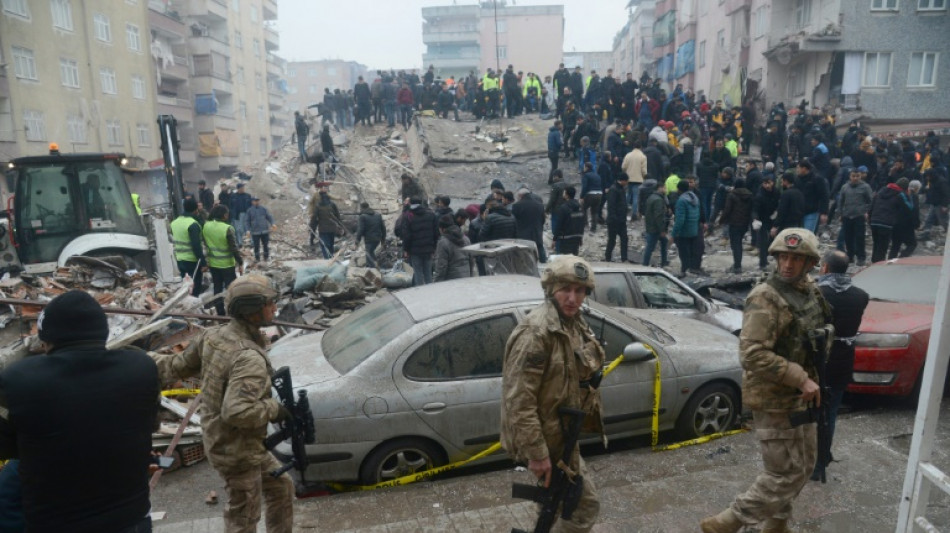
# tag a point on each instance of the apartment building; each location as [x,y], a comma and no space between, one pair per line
[464,38]
[78,74]
[306,80]
[633,45]
[877,60]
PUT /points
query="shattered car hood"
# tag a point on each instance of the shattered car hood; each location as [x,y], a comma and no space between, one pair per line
[304,356]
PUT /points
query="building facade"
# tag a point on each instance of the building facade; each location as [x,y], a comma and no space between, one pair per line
[307,80]
[461,39]
[77,74]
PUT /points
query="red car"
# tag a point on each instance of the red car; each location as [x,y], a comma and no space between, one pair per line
[892,343]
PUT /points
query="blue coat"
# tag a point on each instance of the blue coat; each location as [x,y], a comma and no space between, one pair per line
[259,220]
[555,140]
[686,218]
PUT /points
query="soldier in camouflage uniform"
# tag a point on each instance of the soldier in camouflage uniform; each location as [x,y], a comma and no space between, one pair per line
[236,405]
[780,379]
[550,359]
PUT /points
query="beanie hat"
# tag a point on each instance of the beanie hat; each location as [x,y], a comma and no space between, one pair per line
[903,183]
[496,184]
[71,317]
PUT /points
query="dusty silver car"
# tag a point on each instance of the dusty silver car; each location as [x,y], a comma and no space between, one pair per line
[413,380]
[629,286]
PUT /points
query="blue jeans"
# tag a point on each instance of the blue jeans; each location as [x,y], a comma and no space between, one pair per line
[421,269]
[705,199]
[302,147]
[405,115]
[810,222]
[633,197]
[326,239]
[390,110]
[652,239]
[240,228]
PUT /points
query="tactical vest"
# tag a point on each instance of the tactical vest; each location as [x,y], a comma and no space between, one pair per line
[182,240]
[215,235]
[811,312]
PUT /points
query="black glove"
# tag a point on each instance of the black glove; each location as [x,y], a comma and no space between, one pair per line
[283,414]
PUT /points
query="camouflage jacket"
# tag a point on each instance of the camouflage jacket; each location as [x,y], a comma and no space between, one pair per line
[545,361]
[774,356]
[236,402]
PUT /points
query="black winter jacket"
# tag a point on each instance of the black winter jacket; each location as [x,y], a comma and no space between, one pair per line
[791,209]
[738,209]
[420,231]
[371,226]
[847,308]
[499,224]
[888,207]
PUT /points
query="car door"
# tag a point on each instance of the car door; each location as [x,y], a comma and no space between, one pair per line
[663,293]
[627,392]
[451,378]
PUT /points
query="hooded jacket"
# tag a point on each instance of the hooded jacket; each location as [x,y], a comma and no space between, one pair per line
[738,210]
[371,226]
[686,216]
[450,261]
[888,206]
[499,224]
[420,231]
[855,199]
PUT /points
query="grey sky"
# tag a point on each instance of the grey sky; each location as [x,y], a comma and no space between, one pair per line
[388,33]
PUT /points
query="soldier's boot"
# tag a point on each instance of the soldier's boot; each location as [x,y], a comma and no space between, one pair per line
[774,525]
[724,522]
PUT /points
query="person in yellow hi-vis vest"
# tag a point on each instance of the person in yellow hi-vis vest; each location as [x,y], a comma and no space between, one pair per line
[186,235]
[223,253]
[135,202]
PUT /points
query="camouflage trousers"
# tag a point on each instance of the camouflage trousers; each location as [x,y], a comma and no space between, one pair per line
[243,510]
[788,454]
[585,516]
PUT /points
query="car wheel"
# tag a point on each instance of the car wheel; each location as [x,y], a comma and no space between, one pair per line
[711,409]
[399,458]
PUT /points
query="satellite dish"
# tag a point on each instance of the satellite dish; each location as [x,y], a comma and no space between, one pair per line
[783,55]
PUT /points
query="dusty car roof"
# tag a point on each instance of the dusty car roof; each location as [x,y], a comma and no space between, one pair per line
[604,266]
[925,260]
[446,297]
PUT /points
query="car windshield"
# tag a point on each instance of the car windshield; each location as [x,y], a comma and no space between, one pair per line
[909,284]
[361,334]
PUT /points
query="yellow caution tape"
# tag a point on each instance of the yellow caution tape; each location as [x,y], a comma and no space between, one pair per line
[427,474]
[181,392]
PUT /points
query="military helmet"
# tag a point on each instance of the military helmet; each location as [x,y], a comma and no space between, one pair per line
[796,241]
[249,294]
[566,270]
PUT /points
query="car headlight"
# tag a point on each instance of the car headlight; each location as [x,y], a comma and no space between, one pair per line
[883,340]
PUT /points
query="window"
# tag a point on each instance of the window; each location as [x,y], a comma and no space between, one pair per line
[502,26]
[263,145]
[76,128]
[24,66]
[114,132]
[502,52]
[240,75]
[238,40]
[922,70]
[291,73]
[103,30]
[615,339]
[253,13]
[242,109]
[474,350]
[6,121]
[35,125]
[721,39]
[613,290]
[331,71]
[796,81]
[260,114]
[802,13]
[312,89]
[16,7]
[246,144]
[62,14]
[258,81]
[760,23]
[660,292]
[931,5]
[256,47]
[702,54]
[107,78]
[138,87]
[877,69]
[144,134]
[312,72]
[883,5]
[69,72]
[236,5]
[132,35]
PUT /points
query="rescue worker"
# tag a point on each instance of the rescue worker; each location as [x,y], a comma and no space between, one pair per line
[236,406]
[777,347]
[136,204]
[223,252]
[549,361]
[186,234]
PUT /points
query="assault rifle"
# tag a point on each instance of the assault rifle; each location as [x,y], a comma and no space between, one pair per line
[563,491]
[816,342]
[298,427]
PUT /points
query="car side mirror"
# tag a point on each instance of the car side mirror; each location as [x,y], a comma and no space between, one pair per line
[637,352]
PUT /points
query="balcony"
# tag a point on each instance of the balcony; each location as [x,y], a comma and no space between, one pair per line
[275,100]
[216,163]
[808,40]
[206,44]
[274,71]
[222,120]
[167,23]
[181,108]
[269,9]
[442,37]
[735,5]
[178,70]
[205,82]
[271,39]
[207,10]
[468,60]
[445,12]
